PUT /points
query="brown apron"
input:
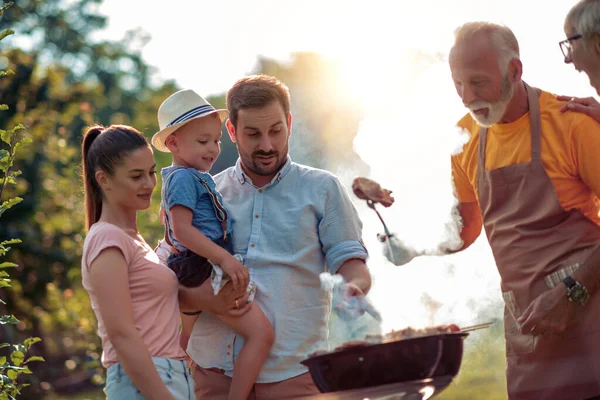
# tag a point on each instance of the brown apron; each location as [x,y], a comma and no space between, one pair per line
[536,243]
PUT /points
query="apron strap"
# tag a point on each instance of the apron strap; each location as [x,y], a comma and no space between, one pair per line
[535,128]
[535,123]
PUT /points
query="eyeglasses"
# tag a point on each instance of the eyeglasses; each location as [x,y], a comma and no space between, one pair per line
[565,45]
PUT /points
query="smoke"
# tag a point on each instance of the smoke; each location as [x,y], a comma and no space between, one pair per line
[408,144]
[352,318]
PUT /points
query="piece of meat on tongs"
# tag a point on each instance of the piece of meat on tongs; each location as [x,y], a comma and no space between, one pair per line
[373,193]
[367,189]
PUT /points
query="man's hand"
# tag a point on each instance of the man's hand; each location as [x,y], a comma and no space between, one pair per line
[351,303]
[351,289]
[229,301]
[588,106]
[549,313]
[240,277]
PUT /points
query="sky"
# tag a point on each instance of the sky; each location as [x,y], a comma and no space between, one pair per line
[206,46]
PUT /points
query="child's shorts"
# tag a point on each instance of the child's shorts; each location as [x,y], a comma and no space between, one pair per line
[193,270]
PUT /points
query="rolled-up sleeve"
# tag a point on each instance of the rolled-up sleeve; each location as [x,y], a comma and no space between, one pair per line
[340,228]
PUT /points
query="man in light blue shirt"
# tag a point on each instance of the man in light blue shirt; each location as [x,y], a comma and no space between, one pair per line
[291,223]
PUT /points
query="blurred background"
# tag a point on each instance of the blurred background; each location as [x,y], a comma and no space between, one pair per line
[371,96]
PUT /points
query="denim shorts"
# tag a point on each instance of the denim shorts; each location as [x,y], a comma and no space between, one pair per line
[173,373]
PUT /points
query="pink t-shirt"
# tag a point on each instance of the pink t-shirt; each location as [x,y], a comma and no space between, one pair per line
[153,288]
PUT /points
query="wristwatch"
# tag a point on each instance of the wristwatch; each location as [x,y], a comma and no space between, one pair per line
[576,292]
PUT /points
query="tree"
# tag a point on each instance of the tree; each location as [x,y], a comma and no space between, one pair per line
[63,81]
[15,364]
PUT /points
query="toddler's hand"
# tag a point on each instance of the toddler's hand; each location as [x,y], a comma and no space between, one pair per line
[240,277]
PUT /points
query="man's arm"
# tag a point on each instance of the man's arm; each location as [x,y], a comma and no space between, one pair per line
[356,273]
[340,232]
[471,224]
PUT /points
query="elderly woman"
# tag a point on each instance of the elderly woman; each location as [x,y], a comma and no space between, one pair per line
[582,49]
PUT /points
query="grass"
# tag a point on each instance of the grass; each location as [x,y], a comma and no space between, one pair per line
[483,371]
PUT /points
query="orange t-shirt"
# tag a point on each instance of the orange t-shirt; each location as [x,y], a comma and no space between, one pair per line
[570,146]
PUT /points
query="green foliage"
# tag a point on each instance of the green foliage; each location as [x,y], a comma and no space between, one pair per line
[15,363]
[483,372]
[63,81]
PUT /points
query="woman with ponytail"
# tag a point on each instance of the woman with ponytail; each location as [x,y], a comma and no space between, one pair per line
[133,295]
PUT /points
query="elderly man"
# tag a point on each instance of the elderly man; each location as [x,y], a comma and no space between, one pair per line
[291,223]
[582,49]
[531,176]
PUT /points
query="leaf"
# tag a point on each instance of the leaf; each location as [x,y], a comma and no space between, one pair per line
[4,274]
[8,319]
[10,241]
[8,264]
[3,359]
[5,135]
[3,284]
[9,204]
[3,107]
[18,127]
[10,180]
[31,341]
[4,156]
[17,357]
[3,345]
[6,33]
[12,374]
[22,143]
[8,72]
[34,358]
[6,6]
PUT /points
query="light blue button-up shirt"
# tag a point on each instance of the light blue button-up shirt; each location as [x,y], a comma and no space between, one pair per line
[301,224]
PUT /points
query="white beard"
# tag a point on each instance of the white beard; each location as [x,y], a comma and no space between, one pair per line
[495,110]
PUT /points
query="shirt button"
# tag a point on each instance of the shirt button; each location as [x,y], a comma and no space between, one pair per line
[259,190]
[256,216]
[228,353]
[228,346]
[252,245]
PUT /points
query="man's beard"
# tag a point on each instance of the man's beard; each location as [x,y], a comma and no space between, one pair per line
[254,165]
[495,110]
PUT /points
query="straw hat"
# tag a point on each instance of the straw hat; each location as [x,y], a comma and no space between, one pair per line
[177,110]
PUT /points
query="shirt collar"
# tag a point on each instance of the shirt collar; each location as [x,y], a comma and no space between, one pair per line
[243,178]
